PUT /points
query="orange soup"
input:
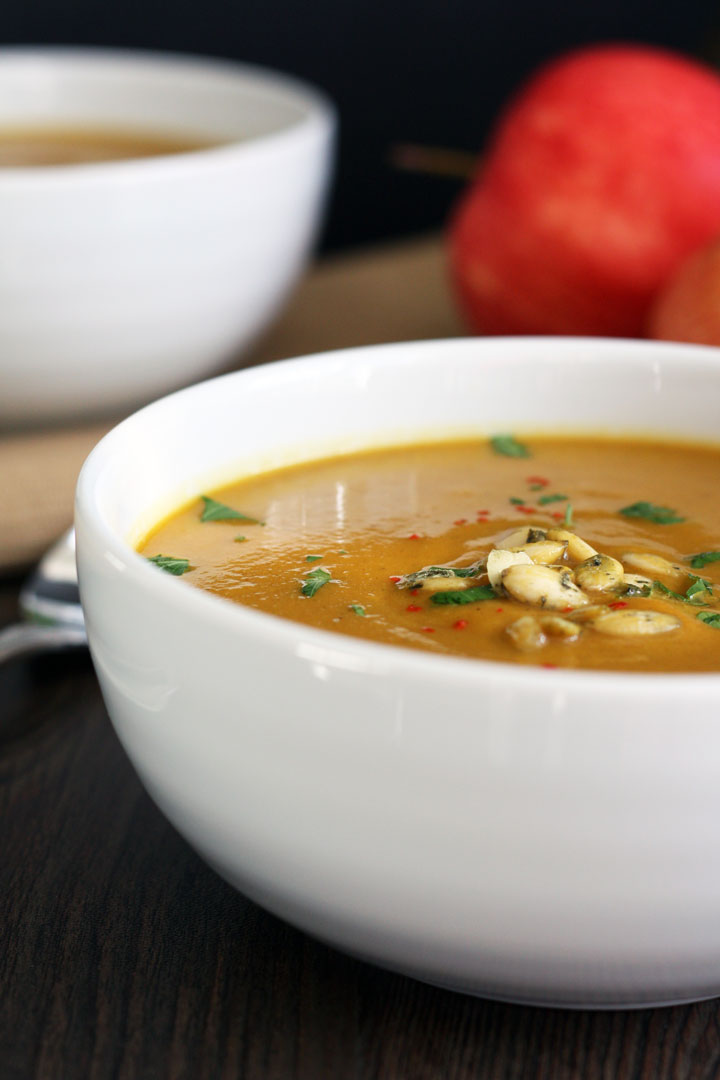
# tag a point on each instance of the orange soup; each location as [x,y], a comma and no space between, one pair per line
[562,552]
[37,146]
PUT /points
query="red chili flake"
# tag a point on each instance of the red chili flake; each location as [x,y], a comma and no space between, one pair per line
[617,604]
[558,515]
[395,578]
[549,665]
[413,536]
[526,509]
[542,480]
[568,608]
[460,521]
[414,607]
[414,592]
[428,629]
[498,610]
[460,624]
[481,513]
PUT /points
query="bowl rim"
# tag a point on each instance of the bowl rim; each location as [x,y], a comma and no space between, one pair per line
[344,650]
[319,118]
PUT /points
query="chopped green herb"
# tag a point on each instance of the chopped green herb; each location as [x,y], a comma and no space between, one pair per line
[545,499]
[312,558]
[660,515]
[694,593]
[464,596]
[342,551]
[568,518]
[517,502]
[171,564]
[699,587]
[217,511]
[509,446]
[703,558]
[410,581]
[710,618]
[314,581]
[536,487]
[357,608]
[239,539]
[661,588]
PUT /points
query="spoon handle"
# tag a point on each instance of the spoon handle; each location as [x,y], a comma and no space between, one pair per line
[24,638]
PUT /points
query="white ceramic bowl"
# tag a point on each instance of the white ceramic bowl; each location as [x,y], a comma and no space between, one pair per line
[541,836]
[119,281]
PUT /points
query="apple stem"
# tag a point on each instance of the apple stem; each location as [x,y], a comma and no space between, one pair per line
[434,160]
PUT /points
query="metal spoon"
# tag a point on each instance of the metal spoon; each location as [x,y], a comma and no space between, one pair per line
[49,606]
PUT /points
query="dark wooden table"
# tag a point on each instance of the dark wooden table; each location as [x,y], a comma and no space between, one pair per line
[122,955]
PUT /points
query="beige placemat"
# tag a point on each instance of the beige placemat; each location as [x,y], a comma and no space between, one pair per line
[394,293]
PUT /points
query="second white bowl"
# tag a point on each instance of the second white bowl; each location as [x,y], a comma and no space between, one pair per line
[121,280]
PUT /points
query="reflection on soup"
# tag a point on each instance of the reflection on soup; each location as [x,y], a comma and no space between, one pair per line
[572,552]
[25,147]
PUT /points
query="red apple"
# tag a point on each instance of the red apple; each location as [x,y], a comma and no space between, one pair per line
[602,176]
[688,307]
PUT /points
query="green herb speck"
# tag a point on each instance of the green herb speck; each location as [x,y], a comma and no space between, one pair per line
[508,446]
[314,581]
[171,564]
[217,511]
[464,596]
[659,515]
[703,558]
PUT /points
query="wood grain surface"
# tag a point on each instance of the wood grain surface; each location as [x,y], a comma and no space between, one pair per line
[123,956]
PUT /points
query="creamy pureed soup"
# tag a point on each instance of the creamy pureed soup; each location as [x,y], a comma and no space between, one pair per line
[579,553]
[37,146]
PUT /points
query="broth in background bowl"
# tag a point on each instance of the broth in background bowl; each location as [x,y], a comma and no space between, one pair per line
[511,830]
[123,278]
[38,146]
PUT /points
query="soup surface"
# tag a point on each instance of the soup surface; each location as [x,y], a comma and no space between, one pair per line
[580,553]
[23,147]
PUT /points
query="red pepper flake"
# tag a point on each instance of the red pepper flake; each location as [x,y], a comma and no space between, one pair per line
[482,513]
[460,624]
[549,665]
[395,578]
[618,604]
[568,608]
[428,629]
[460,521]
[414,607]
[414,536]
[558,515]
[542,480]
[498,610]
[526,509]
[414,592]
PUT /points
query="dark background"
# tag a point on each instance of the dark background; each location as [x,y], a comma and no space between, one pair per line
[432,72]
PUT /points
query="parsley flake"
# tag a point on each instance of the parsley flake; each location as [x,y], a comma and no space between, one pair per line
[710,618]
[659,515]
[517,502]
[357,608]
[217,511]
[703,558]
[508,446]
[171,564]
[312,558]
[545,499]
[314,581]
[464,596]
